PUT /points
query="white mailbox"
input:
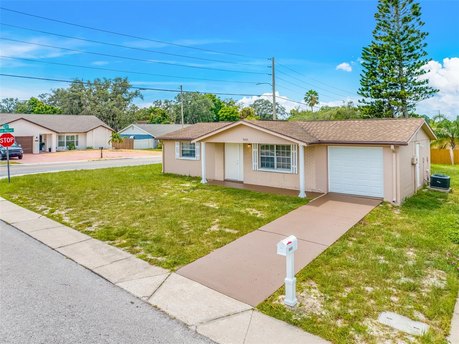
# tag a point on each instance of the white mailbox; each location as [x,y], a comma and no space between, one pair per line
[287,246]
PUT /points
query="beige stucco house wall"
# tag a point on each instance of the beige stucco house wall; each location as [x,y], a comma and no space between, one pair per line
[399,170]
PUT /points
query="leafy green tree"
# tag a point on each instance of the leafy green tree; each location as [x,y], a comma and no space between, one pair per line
[197,107]
[8,105]
[264,109]
[447,132]
[391,82]
[247,113]
[36,106]
[311,98]
[218,103]
[229,114]
[326,113]
[109,99]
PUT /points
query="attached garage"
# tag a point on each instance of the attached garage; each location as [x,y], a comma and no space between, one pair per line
[26,142]
[356,170]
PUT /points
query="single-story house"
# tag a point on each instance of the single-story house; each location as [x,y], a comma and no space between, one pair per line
[381,158]
[51,133]
[145,135]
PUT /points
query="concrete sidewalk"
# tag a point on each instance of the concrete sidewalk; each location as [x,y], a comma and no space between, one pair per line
[249,270]
[210,313]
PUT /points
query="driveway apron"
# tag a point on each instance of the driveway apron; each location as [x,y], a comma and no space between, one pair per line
[249,270]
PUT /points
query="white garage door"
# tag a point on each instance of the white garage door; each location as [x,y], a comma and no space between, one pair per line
[356,170]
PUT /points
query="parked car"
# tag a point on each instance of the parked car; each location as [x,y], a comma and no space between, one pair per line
[15,151]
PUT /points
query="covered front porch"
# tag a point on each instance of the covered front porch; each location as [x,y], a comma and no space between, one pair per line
[265,167]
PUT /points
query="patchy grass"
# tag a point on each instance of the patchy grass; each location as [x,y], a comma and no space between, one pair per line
[401,259]
[167,220]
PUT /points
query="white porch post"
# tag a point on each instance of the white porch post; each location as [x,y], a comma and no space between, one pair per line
[203,163]
[301,169]
[53,142]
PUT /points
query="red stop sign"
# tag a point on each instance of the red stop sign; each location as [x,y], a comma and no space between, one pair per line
[6,140]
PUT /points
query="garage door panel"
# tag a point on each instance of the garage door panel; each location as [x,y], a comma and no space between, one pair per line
[26,143]
[356,170]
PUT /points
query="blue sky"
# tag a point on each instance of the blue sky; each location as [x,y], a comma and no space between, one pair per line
[317,45]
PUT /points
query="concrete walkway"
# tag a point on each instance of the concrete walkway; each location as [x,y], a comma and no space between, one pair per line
[209,312]
[249,270]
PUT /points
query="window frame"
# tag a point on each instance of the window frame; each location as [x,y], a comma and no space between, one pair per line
[275,157]
[181,156]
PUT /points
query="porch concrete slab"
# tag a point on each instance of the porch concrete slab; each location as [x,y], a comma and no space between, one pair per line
[227,330]
[93,253]
[143,287]
[192,302]
[129,269]
[29,226]
[18,215]
[267,330]
[59,236]
[249,270]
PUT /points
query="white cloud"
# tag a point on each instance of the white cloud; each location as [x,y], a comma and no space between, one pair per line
[445,78]
[344,66]
[100,63]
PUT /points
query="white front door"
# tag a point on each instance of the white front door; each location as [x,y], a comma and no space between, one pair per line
[356,170]
[234,165]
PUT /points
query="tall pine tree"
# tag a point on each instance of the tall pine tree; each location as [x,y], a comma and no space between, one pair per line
[392,63]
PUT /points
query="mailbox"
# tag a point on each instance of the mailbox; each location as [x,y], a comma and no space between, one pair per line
[287,246]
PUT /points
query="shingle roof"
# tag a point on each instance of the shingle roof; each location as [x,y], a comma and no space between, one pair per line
[367,131]
[194,131]
[159,129]
[57,123]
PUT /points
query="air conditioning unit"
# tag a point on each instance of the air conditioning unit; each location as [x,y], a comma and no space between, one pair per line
[440,181]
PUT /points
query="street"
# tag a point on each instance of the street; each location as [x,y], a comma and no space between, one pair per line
[47,298]
[21,169]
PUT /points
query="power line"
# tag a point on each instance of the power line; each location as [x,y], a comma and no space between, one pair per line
[124,46]
[122,34]
[133,87]
[132,58]
[125,71]
[315,80]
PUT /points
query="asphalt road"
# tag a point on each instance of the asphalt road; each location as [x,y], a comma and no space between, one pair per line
[19,169]
[46,298]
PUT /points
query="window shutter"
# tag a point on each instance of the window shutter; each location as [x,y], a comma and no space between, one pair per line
[177,150]
[255,157]
[294,158]
[197,147]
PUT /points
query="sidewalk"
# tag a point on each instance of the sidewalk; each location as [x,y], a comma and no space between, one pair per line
[210,313]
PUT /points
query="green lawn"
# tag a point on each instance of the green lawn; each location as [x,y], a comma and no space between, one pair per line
[167,220]
[401,259]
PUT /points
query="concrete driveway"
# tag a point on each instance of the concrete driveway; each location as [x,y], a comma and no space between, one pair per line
[249,270]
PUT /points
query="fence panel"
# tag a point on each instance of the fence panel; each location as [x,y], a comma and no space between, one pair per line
[442,156]
[125,144]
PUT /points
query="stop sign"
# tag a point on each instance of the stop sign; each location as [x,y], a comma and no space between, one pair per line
[6,140]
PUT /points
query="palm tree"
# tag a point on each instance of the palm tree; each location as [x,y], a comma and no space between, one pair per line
[447,132]
[311,98]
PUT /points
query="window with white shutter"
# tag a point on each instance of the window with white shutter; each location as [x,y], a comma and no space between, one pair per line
[177,150]
[294,151]
[197,154]
[187,151]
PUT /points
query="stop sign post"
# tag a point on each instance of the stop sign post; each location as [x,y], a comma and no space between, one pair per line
[7,140]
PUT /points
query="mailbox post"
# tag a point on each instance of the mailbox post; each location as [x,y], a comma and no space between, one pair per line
[287,248]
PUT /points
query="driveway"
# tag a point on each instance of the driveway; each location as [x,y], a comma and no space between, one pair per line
[47,298]
[85,155]
[249,270]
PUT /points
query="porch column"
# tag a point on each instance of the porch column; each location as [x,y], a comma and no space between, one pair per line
[53,142]
[203,163]
[301,169]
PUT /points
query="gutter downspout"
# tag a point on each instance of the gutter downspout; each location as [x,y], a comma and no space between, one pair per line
[394,174]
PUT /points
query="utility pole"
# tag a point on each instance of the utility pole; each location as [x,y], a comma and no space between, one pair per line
[181,104]
[273,74]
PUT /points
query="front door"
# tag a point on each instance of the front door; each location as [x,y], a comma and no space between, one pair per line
[234,162]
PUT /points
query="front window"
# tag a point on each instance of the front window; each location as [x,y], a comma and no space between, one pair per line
[64,141]
[187,150]
[276,157]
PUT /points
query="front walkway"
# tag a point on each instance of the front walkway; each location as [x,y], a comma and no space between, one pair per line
[249,270]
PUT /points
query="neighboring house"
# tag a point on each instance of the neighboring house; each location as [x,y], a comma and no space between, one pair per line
[384,158]
[51,133]
[145,135]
